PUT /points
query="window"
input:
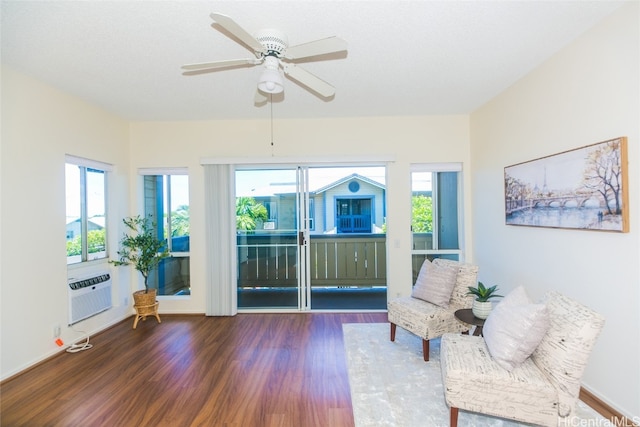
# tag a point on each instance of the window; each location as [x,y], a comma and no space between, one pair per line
[271,223]
[86,183]
[272,210]
[166,202]
[312,213]
[435,213]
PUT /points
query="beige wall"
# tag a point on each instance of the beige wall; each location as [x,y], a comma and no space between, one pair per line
[39,126]
[588,92]
[406,139]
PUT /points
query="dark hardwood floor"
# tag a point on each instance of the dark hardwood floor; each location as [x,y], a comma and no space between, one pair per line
[249,370]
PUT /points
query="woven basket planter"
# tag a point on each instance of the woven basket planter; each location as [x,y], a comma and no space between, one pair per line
[142,298]
[146,305]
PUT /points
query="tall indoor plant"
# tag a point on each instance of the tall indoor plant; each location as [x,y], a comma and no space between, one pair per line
[141,248]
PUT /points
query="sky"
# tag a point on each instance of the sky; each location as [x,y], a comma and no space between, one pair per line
[95,194]
[564,171]
[261,182]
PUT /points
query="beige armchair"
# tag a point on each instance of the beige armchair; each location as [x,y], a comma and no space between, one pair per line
[428,320]
[541,389]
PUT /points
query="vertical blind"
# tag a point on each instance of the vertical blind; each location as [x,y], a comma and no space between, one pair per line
[221,251]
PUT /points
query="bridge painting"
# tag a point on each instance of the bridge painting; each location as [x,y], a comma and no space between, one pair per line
[585,188]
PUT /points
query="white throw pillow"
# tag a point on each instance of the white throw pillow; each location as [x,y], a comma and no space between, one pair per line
[515,328]
[435,283]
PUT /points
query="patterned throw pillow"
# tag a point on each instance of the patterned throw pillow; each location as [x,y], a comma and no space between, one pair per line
[435,283]
[515,328]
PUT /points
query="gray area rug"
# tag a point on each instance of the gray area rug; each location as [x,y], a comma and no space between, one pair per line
[392,386]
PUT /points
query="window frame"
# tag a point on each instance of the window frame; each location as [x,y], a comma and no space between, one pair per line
[166,174]
[435,251]
[86,166]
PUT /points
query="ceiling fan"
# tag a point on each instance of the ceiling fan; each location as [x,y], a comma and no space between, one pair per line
[271,48]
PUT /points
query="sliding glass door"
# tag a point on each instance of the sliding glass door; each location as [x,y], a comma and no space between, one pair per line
[267,238]
[311,238]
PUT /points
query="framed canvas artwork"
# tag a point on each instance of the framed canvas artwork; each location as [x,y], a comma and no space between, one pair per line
[585,188]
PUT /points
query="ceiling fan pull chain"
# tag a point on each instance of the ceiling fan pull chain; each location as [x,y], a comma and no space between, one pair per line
[271,102]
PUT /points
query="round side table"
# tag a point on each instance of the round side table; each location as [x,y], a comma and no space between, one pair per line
[466,315]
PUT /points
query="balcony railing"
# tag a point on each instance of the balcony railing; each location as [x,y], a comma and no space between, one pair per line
[354,223]
[336,261]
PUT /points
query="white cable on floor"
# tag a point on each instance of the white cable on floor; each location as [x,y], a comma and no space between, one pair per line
[74,348]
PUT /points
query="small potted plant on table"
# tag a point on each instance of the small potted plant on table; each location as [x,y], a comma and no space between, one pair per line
[481,304]
[141,248]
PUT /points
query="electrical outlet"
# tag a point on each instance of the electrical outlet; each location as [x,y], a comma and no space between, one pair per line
[126,301]
[56,331]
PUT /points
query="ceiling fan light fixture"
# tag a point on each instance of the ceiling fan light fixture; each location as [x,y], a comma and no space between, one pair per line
[271,81]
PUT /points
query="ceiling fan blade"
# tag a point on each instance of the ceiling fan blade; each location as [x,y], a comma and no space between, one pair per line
[221,64]
[317,47]
[232,26]
[314,83]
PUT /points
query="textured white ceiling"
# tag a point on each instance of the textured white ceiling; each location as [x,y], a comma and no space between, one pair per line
[404,57]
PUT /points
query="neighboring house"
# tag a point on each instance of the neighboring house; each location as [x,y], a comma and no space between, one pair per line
[73,226]
[352,204]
